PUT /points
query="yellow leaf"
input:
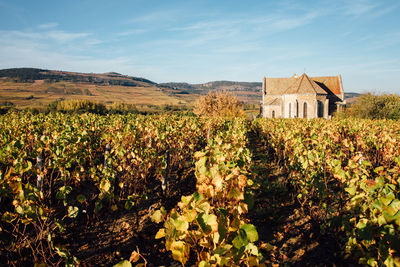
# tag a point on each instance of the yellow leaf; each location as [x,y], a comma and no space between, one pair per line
[180,251]
[114,207]
[160,233]
[157,216]
[105,185]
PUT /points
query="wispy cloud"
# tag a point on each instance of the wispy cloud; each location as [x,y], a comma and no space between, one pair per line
[359,7]
[62,36]
[48,25]
[266,24]
[239,33]
[42,36]
[131,32]
[159,16]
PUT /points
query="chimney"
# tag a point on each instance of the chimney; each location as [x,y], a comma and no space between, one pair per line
[295,75]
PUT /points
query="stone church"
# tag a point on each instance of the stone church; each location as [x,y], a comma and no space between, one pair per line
[301,96]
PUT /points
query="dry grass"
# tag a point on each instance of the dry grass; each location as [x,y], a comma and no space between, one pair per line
[39,94]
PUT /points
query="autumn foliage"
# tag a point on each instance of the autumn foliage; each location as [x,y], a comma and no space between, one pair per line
[219,104]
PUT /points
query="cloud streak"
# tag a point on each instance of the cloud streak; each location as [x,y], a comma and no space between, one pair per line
[48,25]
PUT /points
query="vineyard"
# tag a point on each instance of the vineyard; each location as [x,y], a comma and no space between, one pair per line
[178,190]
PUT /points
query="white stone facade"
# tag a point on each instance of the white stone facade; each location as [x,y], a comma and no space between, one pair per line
[300,97]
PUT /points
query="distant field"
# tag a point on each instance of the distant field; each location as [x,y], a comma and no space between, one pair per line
[40,93]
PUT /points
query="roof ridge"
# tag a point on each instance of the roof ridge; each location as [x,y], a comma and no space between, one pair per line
[301,81]
[291,85]
[316,86]
[306,83]
[311,82]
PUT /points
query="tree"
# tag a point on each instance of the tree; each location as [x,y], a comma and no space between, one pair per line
[219,104]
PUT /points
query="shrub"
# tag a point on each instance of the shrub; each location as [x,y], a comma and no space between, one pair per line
[81,106]
[371,106]
[122,108]
[219,104]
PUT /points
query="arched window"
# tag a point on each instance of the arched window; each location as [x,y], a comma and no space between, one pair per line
[290,110]
[297,109]
[305,110]
[273,114]
[320,109]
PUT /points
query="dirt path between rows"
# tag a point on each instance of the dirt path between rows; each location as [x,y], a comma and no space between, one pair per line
[288,235]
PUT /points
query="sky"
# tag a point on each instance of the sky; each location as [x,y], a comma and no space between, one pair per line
[198,41]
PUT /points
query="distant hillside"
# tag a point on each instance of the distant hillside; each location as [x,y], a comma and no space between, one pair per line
[37,87]
[351,95]
[246,91]
[30,87]
[109,78]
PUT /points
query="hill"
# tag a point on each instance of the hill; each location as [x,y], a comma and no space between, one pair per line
[30,87]
[246,91]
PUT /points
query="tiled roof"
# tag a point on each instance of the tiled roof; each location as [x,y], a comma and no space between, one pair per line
[275,86]
[304,85]
[329,84]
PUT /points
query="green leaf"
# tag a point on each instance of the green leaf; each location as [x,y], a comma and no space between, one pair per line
[387,199]
[251,232]
[208,223]
[249,199]
[130,203]
[252,249]
[240,240]
[123,263]
[98,205]
[222,230]
[81,198]
[351,190]
[63,192]
[180,224]
[197,196]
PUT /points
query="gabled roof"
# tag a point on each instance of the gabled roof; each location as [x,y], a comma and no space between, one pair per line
[278,86]
[304,85]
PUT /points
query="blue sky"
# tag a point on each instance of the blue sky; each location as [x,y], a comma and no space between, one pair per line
[207,40]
